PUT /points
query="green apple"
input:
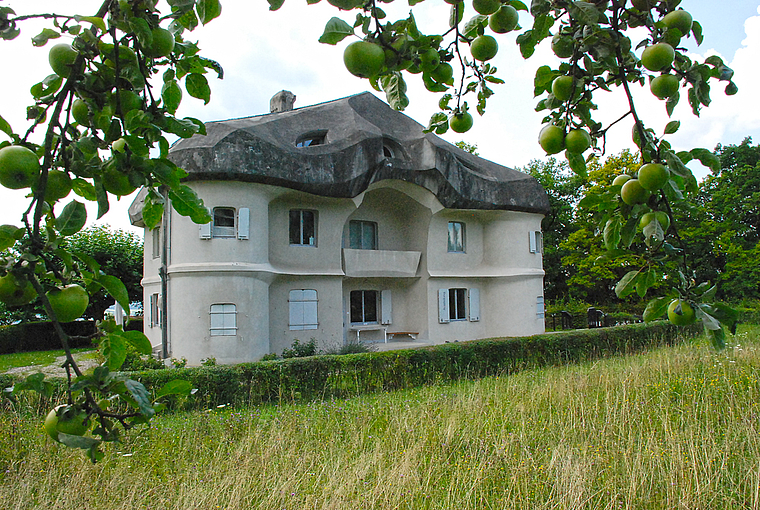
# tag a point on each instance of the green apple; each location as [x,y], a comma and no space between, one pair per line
[19,167]
[364,59]
[653,176]
[429,60]
[68,303]
[633,193]
[484,47]
[80,112]
[577,140]
[683,316]
[658,56]
[664,86]
[504,20]
[162,44]
[66,419]
[680,20]
[662,218]
[58,186]
[562,45]
[621,179]
[461,122]
[552,139]
[61,58]
[486,6]
[15,291]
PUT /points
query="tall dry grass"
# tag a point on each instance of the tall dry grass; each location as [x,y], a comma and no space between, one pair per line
[674,428]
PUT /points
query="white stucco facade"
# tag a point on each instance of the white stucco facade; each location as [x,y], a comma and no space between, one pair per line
[410,266]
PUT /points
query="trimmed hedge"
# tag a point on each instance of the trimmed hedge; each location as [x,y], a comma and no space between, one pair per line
[316,377]
[353,374]
[40,336]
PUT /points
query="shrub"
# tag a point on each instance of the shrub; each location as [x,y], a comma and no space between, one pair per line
[40,336]
[299,350]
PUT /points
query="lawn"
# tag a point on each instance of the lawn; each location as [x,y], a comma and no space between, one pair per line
[34,358]
[671,428]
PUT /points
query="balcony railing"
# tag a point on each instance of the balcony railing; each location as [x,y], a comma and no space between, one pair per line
[367,263]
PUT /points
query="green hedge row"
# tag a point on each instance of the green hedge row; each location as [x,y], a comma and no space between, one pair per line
[353,374]
[41,336]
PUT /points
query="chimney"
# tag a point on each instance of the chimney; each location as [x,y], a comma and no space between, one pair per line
[282,102]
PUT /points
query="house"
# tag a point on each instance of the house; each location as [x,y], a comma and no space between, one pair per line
[342,222]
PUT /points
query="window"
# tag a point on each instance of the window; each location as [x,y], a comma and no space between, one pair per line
[302,306]
[363,306]
[156,240]
[456,304]
[224,222]
[536,241]
[362,235]
[456,237]
[310,139]
[303,227]
[387,151]
[540,309]
[223,320]
[155,311]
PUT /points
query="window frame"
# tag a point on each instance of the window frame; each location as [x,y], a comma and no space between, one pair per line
[454,247]
[227,312]
[302,213]
[373,244]
[362,301]
[230,231]
[457,304]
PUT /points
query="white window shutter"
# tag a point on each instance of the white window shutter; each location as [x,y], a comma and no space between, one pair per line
[244,219]
[443,306]
[205,230]
[474,298]
[532,241]
[386,307]
[540,310]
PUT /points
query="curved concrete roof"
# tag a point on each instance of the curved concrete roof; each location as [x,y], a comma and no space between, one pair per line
[365,141]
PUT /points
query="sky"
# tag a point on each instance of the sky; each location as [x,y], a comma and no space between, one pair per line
[263,52]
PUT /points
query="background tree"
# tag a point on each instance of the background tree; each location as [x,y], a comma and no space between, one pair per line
[119,253]
[564,189]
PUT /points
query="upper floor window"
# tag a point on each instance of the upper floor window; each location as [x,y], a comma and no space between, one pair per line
[223,319]
[363,304]
[536,241]
[303,227]
[224,222]
[156,241]
[456,237]
[362,235]
[311,139]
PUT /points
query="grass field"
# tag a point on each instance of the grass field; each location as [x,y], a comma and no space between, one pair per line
[33,358]
[675,428]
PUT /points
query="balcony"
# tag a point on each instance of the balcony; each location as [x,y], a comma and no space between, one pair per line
[383,263]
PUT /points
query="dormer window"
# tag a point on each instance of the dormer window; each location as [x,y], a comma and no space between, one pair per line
[311,139]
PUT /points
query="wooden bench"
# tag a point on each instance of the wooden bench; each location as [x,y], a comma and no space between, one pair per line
[410,334]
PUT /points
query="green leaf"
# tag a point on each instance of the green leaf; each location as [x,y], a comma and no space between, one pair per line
[139,341]
[208,10]
[612,233]
[95,20]
[656,308]
[116,289]
[175,387]
[152,213]
[627,284]
[335,31]
[72,218]
[9,234]
[5,127]
[186,202]
[577,163]
[114,350]
[275,4]
[395,90]
[34,382]
[43,37]
[197,86]
[707,158]
[140,394]
[72,441]
[672,127]
[184,128]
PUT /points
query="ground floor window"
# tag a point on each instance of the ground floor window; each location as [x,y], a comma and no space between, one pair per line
[363,304]
[155,311]
[223,319]
[457,299]
[458,304]
[302,307]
